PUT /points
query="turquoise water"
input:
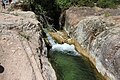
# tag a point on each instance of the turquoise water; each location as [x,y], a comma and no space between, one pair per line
[69,67]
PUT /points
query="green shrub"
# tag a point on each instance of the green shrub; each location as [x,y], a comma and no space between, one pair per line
[26,4]
[64,4]
[89,3]
[106,3]
[53,8]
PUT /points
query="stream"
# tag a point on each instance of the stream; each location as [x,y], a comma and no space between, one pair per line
[69,64]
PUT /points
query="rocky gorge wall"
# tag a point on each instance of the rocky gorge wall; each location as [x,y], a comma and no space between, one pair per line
[23,53]
[98,31]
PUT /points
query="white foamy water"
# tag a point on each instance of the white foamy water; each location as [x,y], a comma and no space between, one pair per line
[52,42]
[65,47]
[70,49]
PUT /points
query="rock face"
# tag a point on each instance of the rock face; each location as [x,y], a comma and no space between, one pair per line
[100,35]
[75,14]
[107,48]
[22,49]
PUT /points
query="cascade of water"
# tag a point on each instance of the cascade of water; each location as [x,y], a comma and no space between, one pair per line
[66,47]
[62,47]
[52,42]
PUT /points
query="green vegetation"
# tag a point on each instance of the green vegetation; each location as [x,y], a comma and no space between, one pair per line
[107,3]
[47,5]
[53,8]
[26,5]
[64,4]
[70,67]
[47,8]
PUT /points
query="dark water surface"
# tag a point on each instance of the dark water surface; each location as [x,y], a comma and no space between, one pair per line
[68,67]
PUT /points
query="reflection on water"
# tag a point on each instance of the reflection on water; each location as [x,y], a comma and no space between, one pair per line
[68,63]
[69,67]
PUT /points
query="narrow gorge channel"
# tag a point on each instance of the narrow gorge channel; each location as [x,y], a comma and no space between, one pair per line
[69,64]
[67,60]
[60,40]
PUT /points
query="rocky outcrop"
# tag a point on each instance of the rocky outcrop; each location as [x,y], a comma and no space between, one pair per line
[100,35]
[106,47]
[22,49]
[25,14]
[75,14]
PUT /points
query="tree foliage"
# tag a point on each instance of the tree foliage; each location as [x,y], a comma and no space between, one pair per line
[107,3]
[53,8]
[100,3]
[64,4]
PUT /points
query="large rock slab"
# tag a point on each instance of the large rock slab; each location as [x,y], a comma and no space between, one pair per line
[74,14]
[107,48]
[100,35]
[22,49]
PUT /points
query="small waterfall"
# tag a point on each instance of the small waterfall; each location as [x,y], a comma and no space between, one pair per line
[61,47]
[69,64]
[65,48]
[52,42]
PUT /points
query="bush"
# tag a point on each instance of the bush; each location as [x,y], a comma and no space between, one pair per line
[53,8]
[64,4]
[106,3]
[89,3]
[26,4]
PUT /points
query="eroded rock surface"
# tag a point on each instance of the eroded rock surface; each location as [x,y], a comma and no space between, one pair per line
[22,49]
[100,35]
[76,14]
[107,48]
